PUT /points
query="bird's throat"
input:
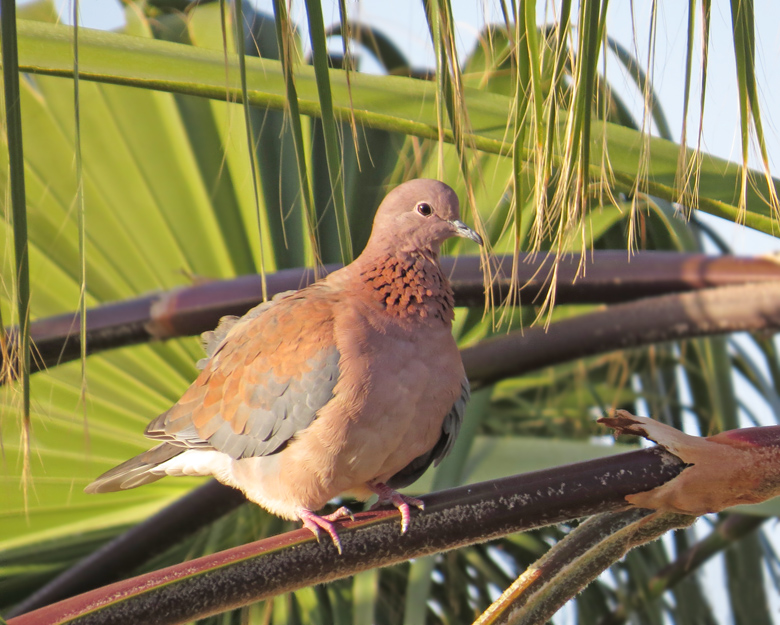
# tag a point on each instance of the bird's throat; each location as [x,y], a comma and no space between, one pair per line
[411,286]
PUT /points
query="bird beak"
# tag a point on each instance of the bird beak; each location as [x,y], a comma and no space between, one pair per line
[462,230]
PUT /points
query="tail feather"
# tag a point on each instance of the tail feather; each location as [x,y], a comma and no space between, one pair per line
[136,471]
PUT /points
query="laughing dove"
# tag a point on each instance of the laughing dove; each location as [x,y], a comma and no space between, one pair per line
[353,385]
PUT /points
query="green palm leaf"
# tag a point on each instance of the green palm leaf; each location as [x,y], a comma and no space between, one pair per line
[169,196]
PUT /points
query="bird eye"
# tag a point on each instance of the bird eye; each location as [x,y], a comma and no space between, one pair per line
[424,209]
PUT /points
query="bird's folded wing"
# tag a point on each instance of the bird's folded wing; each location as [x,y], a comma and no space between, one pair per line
[266,380]
[452,422]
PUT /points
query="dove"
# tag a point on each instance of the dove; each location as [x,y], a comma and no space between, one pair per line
[352,386]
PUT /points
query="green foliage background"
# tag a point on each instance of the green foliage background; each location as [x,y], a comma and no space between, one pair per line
[541,151]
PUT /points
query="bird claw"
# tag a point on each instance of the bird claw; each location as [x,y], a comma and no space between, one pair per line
[314,523]
[402,502]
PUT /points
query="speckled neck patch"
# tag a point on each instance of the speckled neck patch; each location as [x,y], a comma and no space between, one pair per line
[412,286]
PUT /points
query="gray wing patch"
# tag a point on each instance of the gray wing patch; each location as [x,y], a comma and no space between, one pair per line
[450,429]
[293,406]
[452,422]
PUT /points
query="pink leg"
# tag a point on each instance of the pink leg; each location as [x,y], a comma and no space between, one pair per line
[315,523]
[402,502]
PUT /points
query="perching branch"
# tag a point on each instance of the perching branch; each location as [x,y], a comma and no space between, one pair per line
[683,477]
[731,529]
[575,562]
[452,519]
[745,308]
[606,277]
[120,556]
[730,468]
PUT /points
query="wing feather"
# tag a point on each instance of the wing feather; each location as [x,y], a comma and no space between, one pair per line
[267,376]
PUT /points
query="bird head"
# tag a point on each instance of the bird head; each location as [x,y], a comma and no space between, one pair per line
[419,215]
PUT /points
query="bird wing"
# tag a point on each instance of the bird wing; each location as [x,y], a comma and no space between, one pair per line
[267,376]
[450,428]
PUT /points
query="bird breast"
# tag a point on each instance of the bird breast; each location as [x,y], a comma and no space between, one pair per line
[395,388]
[409,287]
[400,373]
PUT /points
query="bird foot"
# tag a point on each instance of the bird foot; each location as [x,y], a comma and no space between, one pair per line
[314,523]
[402,502]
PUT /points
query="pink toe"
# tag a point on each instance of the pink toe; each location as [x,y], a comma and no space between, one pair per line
[314,523]
[402,502]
